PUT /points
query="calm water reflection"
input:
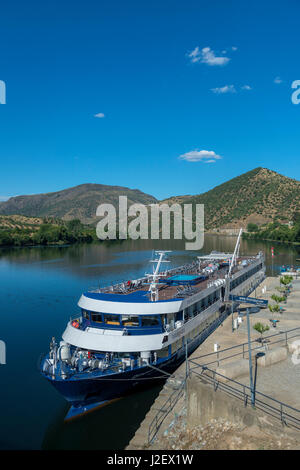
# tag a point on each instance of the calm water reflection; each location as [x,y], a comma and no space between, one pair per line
[39,290]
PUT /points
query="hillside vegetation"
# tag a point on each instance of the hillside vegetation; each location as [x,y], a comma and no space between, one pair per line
[275,231]
[79,202]
[25,231]
[259,196]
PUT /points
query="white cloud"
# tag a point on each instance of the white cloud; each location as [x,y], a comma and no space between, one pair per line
[278,80]
[99,115]
[195,55]
[205,156]
[207,56]
[229,89]
[4,198]
[224,89]
[234,48]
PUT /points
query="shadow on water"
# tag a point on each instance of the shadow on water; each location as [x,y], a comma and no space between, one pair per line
[108,428]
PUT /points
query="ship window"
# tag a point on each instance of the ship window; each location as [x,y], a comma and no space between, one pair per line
[195,310]
[150,320]
[185,315]
[85,314]
[175,346]
[179,316]
[163,319]
[97,317]
[130,320]
[111,319]
[190,312]
[163,352]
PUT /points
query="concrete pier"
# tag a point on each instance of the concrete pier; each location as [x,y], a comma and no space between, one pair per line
[277,375]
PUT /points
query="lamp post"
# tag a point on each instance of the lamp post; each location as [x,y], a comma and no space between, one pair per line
[186,372]
[250,361]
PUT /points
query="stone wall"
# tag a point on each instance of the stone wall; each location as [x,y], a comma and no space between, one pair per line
[205,404]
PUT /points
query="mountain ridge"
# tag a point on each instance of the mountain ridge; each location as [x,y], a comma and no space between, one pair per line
[258,196]
[76,202]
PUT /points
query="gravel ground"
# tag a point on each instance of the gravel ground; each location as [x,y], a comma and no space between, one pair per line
[219,434]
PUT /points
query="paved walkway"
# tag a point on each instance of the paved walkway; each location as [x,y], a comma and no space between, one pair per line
[280,381]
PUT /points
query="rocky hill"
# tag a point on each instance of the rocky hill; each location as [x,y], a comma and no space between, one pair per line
[258,196]
[77,202]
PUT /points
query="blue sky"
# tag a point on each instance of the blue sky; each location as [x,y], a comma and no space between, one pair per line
[193,93]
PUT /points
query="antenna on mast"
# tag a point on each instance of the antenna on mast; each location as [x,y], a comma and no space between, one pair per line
[235,253]
[233,263]
[155,275]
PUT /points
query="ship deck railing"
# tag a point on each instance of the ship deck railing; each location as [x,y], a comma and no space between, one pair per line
[122,287]
[166,291]
[111,366]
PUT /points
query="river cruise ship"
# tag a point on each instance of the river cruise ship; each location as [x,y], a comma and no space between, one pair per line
[135,333]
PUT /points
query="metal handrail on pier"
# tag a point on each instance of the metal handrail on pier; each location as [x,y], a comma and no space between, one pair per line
[163,412]
[281,411]
[242,349]
[286,414]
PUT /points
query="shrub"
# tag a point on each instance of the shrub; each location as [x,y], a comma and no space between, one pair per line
[274,308]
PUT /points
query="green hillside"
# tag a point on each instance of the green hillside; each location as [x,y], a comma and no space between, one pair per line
[79,202]
[259,196]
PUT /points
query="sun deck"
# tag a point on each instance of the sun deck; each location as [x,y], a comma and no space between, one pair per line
[174,284]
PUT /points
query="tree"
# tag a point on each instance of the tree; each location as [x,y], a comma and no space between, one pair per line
[6,238]
[74,225]
[261,328]
[296,218]
[252,227]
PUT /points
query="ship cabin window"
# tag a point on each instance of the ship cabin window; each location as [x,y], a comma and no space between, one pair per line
[111,319]
[185,315]
[85,314]
[195,310]
[163,319]
[96,317]
[130,320]
[190,312]
[163,352]
[150,320]
[179,316]
[171,320]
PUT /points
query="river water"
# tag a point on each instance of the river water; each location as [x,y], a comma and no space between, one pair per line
[39,290]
